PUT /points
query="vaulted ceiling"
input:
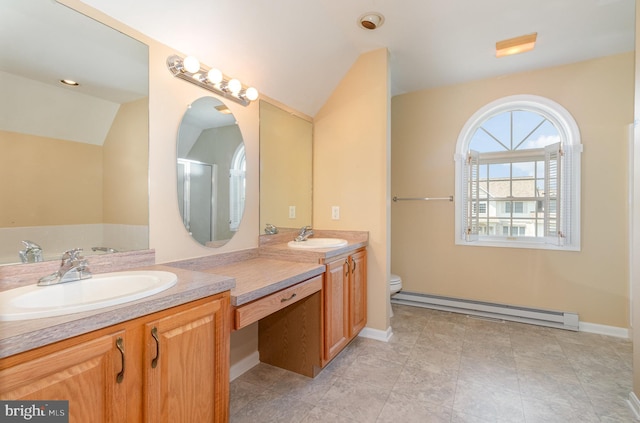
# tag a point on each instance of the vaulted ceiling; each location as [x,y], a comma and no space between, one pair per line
[297,51]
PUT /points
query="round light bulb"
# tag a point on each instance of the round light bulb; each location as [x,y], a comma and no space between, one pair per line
[214,76]
[191,64]
[235,86]
[251,94]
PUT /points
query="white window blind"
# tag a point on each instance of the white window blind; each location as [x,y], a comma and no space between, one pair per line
[472,189]
[553,194]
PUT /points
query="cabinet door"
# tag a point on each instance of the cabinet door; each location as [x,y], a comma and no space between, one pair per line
[186,379]
[357,292]
[85,374]
[336,302]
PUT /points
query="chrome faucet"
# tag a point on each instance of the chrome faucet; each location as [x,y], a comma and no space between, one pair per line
[73,267]
[270,229]
[104,249]
[32,252]
[305,232]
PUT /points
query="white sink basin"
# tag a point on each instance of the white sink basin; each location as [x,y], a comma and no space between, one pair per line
[102,290]
[318,243]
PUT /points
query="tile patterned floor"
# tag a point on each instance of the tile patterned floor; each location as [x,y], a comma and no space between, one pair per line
[446,367]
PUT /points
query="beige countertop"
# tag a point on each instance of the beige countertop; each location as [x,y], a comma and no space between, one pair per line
[23,335]
[259,277]
[275,246]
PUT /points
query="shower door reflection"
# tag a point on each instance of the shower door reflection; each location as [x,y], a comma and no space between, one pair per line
[197,194]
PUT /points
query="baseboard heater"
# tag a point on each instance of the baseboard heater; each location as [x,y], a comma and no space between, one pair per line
[541,317]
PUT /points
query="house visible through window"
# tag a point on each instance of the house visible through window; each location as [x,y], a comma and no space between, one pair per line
[518,176]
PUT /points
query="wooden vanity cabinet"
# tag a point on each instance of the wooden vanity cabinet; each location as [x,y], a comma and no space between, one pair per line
[84,374]
[345,301]
[109,375]
[187,366]
[357,292]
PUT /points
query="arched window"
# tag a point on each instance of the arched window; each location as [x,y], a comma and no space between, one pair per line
[237,187]
[518,176]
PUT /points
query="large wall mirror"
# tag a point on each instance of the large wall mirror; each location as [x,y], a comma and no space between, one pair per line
[211,172]
[286,157]
[73,158]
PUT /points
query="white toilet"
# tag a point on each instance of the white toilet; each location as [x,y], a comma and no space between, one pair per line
[395,285]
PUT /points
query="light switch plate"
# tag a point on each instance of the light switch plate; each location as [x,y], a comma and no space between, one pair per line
[292,212]
[335,212]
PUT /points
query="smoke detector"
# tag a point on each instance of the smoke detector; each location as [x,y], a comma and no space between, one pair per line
[371,21]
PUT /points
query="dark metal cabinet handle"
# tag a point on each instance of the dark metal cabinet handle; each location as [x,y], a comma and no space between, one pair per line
[120,346]
[354,267]
[283,300]
[346,263]
[154,333]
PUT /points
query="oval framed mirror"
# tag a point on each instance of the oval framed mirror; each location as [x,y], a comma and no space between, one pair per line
[211,169]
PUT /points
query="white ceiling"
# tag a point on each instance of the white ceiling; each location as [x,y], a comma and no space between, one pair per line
[44,41]
[297,51]
[41,42]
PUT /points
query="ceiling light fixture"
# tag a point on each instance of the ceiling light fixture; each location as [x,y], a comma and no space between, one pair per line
[69,82]
[190,69]
[370,21]
[223,109]
[516,45]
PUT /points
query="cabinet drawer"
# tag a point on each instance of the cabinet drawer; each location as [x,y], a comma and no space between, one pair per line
[252,312]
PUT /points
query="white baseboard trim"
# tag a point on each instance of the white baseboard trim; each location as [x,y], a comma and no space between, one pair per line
[244,365]
[604,330]
[377,334]
[634,404]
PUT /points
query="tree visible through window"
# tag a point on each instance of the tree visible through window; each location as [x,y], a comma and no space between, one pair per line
[518,176]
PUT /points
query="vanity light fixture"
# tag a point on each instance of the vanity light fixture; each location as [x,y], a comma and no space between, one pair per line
[516,45]
[190,69]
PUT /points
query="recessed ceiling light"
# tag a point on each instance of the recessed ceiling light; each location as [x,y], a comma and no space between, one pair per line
[516,45]
[371,21]
[69,82]
[223,109]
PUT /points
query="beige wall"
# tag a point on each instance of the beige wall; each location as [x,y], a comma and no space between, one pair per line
[125,163]
[49,181]
[105,184]
[286,150]
[592,282]
[351,168]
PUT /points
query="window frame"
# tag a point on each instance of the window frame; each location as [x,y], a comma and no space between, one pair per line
[237,187]
[570,168]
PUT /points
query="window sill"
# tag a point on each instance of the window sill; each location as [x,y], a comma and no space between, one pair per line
[514,243]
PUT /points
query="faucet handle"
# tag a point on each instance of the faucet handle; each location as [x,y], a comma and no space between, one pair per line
[32,252]
[270,229]
[30,245]
[72,255]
